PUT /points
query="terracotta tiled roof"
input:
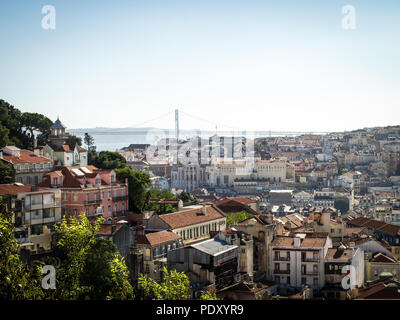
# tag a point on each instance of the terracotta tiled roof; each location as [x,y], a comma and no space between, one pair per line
[380,257]
[156,238]
[12,189]
[191,216]
[307,242]
[26,156]
[376,225]
[381,291]
[336,255]
[68,148]
[255,220]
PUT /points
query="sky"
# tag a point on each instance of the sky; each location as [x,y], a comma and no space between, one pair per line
[286,65]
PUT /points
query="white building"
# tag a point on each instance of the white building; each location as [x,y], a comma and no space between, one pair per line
[299,260]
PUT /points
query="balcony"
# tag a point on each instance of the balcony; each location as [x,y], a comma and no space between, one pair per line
[281,258]
[278,271]
[97,201]
[310,273]
[314,259]
[119,213]
[121,198]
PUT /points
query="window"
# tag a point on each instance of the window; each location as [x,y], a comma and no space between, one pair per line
[65,196]
[315,282]
[75,196]
[303,281]
[55,181]
[75,212]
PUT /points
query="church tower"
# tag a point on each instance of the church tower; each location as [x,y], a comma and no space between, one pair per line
[58,136]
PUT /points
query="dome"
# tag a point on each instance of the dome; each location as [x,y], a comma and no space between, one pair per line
[57,125]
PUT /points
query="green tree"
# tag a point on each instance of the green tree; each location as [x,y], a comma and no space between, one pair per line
[342,204]
[18,281]
[233,218]
[89,140]
[107,160]
[73,140]
[138,182]
[7,173]
[161,194]
[36,122]
[174,286]
[208,295]
[4,140]
[76,235]
[106,273]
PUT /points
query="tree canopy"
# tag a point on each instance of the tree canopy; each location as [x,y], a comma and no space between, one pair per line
[233,218]
[161,194]
[7,173]
[138,182]
[18,128]
[174,286]
[106,160]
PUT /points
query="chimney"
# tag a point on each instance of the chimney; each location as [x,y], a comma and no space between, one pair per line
[296,243]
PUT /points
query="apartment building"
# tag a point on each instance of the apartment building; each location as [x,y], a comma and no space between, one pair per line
[90,190]
[335,260]
[29,167]
[192,224]
[299,260]
[36,210]
[155,246]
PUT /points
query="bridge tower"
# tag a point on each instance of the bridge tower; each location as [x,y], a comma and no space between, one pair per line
[177,132]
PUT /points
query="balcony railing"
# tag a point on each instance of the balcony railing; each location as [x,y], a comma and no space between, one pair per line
[281,258]
[278,271]
[92,201]
[121,198]
[119,213]
[309,273]
[314,259]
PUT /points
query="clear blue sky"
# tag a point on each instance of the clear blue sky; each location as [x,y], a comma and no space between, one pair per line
[257,65]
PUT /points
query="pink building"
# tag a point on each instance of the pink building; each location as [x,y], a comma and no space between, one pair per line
[91,190]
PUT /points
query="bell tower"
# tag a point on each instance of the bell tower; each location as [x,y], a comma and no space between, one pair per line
[58,137]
